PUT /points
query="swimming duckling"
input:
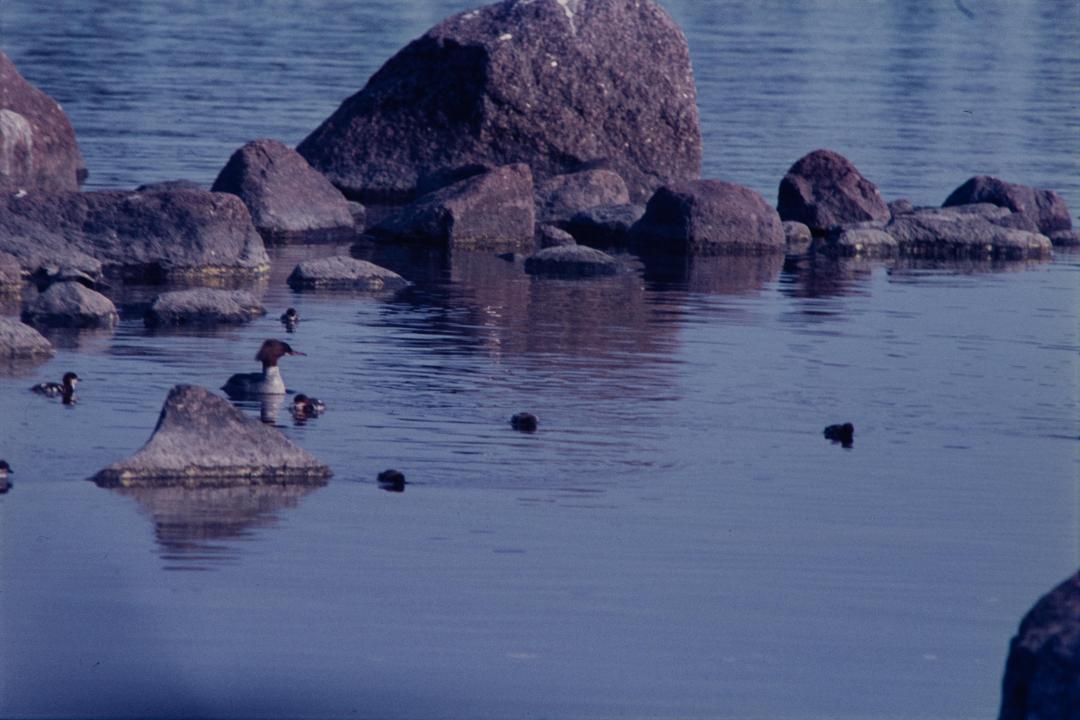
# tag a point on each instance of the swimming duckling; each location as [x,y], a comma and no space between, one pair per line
[304,407]
[525,422]
[5,470]
[843,434]
[289,319]
[269,381]
[392,480]
[64,389]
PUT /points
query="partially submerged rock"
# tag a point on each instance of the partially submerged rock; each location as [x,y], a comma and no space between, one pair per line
[38,150]
[707,217]
[824,188]
[551,83]
[342,272]
[551,236]
[1042,673]
[490,211]
[20,341]
[561,197]
[286,197]
[202,440]
[797,237]
[863,239]
[571,261]
[1044,208]
[71,304]
[203,306]
[604,225]
[148,235]
[966,231]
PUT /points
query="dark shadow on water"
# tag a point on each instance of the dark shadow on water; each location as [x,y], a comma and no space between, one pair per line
[202,528]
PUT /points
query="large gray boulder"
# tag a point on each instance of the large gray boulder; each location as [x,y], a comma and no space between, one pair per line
[1042,673]
[1044,208]
[823,188]
[202,440]
[707,217]
[286,197]
[551,83]
[560,197]
[157,235]
[203,306]
[38,150]
[966,231]
[342,272]
[71,304]
[571,261]
[20,341]
[490,211]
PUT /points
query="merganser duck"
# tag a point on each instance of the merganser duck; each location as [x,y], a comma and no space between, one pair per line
[5,470]
[269,381]
[289,319]
[64,389]
[305,407]
[525,422]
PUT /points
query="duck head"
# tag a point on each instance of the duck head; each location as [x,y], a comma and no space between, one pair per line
[273,350]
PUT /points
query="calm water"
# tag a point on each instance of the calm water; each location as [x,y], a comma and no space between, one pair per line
[678,540]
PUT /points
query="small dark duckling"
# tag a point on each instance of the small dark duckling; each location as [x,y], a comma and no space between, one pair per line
[5,470]
[305,407]
[290,318]
[392,480]
[64,389]
[525,422]
[843,434]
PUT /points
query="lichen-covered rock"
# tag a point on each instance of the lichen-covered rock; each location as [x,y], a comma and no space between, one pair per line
[10,273]
[71,304]
[1045,208]
[560,197]
[966,231]
[154,235]
[202,440]
[342,272]
[551,83]
[38,150]
[286,197]
[203,306]
[551,236]
[824,188]
[1042,673]
[490,211]
[707,217]
[605,225]
[571,261]
[850,240]
[20,341]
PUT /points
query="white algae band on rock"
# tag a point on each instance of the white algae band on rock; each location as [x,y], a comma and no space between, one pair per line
[201,440]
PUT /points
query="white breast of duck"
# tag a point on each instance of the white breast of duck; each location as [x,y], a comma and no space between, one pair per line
[269,381]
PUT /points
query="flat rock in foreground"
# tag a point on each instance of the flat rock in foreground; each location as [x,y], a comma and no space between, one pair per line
[201,440]
[20,341]
[342,272]
[203,306]
[1042,674]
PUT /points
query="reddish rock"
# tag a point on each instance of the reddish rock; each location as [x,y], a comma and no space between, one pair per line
[1042,673]
[285,196]
[491,211]
[38,150]
[707,217]
[824,189]
[551,83]
[1045,208]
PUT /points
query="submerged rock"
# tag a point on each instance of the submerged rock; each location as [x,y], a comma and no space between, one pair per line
[201,440]
[490,211]
[148,235]
[286,197]
[203,306]
[560,197]
[551,83]
[71,304]
[20,341]
[604,225]
[571,261]
[707,217]
[824,188]
[342,272]
[1042,673]
[38,150]
[1045,209]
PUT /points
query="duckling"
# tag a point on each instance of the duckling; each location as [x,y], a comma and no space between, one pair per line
[525,422]
[305,407]
[64,389]
[392,480]
[269,381]
[5,470]
[290,318]
[843,434]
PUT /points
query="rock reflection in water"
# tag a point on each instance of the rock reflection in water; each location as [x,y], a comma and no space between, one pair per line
[198,528]
[716,275]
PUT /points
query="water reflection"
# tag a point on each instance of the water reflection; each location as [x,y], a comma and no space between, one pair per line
[199,528]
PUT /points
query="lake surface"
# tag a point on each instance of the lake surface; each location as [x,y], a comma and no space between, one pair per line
[678,539]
